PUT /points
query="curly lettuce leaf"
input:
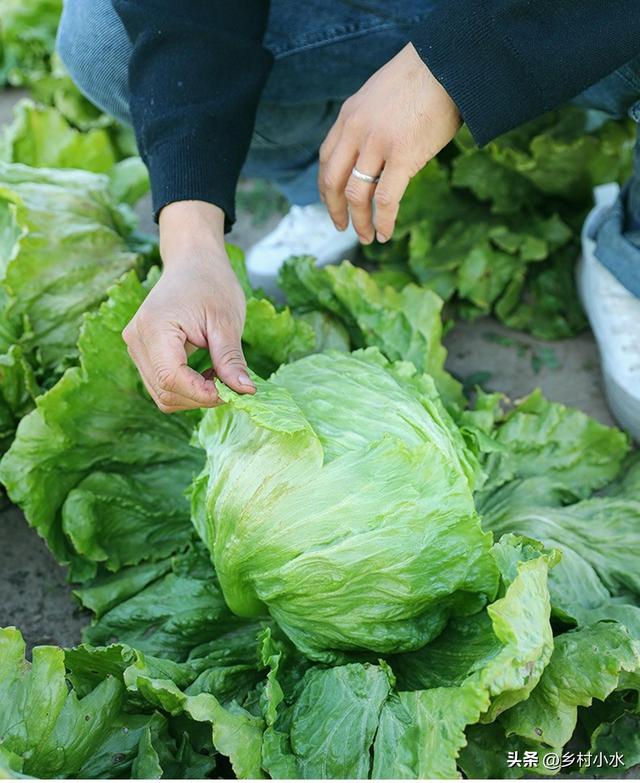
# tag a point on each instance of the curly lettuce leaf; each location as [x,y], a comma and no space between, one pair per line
[98,470]
[63,244]
[40,136]
[503,649]
[561,154]
[599,539]
[405,325]
[44,724]
[273,337]
[496,230]
[18,389]
[361,720]
[586,664]
[27,39]
[564,445]
[71,714]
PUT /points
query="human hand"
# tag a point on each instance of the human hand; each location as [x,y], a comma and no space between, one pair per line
[396,122]
[196,303]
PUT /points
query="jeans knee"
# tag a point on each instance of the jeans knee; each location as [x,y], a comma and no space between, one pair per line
[95,50]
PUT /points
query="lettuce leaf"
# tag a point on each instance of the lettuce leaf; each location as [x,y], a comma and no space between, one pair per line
[586,663]
[503,649]
[360,720]
[171,614]
[72,713]
[64,243]
[109,489]
[563,445]
[27,38]
[97,469]
[405,325]
[45,729]
[40,136]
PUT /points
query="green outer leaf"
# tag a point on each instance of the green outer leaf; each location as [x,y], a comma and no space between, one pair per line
[477,668]
[72,249]
[621,735]
[273,337]
[114,757]
[27,38]
[146,765]
[505,647]
[586,664]
[172,615]
[421,732]
[404,325]
[40,136]
[18,389]
[542,438]
[497,229]
[128,180]
[105,592]
[98,419]
[52,730]
[486,754]
[236,733]
[332,724]
[599,537]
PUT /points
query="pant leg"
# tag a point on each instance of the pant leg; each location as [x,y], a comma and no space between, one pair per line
[618,235]
[95,49]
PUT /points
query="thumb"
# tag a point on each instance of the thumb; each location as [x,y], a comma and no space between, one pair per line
[229,363]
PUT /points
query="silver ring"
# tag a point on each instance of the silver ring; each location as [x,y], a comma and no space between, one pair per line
[364,177]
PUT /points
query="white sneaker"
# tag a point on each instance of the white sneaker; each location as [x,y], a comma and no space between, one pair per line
[614,313]
[303,231]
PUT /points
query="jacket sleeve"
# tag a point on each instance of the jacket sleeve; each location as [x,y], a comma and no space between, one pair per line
[196,73]
[506,61]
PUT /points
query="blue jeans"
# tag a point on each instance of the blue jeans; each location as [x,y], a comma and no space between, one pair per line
[324,50]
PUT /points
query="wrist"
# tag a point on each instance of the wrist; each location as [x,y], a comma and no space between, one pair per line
[191,230]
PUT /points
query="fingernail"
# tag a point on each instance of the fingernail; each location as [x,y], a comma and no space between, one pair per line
[381,237]
[364,240]
[244,380]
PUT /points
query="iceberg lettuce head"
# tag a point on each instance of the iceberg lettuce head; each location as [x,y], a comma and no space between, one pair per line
[339,499]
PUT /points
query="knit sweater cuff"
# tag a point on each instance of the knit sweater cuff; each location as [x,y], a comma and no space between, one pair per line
[182,169]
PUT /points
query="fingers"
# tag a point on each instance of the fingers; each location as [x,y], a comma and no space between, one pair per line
[162,362]
[228,360]
[334,174]
[388,194]
[185,404]
[360,193]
